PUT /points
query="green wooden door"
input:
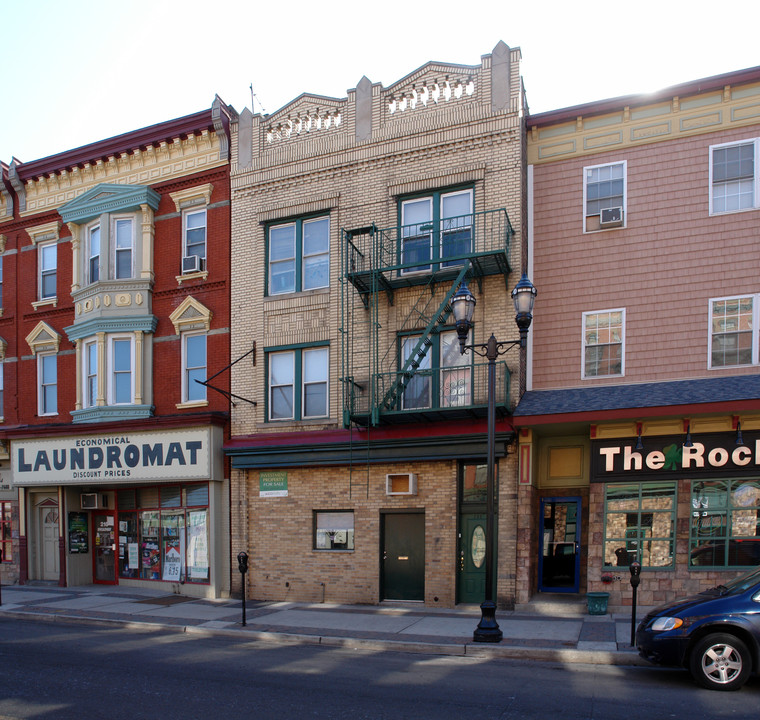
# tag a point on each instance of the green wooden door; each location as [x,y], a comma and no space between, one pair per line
[472,559]
[403,558]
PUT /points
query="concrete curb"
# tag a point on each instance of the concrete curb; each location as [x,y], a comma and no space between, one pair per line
[467,649]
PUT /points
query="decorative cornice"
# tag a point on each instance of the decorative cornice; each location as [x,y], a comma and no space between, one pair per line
[108,413]
[43,339]
[48,231]
[191,315]
[107,197]
[146,324]
[198,195]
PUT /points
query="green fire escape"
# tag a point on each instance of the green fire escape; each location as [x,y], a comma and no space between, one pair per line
[403,369]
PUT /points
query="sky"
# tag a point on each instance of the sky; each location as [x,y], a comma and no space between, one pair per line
[80,71]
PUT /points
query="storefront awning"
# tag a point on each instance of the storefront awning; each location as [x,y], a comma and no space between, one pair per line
[739,393]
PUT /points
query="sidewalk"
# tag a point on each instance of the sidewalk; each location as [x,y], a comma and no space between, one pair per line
[541,631]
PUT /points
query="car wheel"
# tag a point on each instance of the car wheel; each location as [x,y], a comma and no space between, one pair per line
[720,662]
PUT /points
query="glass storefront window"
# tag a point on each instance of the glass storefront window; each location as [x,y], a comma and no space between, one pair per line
[639,524]
[725,523]
[156,543]
[334,530]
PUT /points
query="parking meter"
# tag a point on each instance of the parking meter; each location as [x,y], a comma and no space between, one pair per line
[242,559]
[635,569]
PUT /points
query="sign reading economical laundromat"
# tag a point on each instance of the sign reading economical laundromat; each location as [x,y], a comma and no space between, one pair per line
[131,457]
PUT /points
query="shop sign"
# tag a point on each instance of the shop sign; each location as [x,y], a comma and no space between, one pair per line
[105,459]
[273,484]
[712,454]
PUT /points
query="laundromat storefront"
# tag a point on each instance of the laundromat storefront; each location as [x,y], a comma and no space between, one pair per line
[126,508]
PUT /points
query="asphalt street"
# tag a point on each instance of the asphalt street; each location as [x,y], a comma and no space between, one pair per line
[85,671]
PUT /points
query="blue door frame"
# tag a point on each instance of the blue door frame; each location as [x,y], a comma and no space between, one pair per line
[559,556]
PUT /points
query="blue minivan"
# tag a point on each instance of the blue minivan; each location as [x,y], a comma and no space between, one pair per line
[715,634]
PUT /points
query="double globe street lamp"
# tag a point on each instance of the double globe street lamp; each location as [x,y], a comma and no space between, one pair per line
[463,307]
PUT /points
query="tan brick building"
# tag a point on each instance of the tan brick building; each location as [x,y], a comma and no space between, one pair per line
[643,243]
[358,433]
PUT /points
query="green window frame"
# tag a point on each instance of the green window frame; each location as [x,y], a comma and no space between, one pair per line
[298,382]
[444,377]
[724,529]
[434,226]
[640,524]
[298,255]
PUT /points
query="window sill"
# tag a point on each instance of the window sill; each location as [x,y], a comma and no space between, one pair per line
[202,275]
[47,301]
[297,294]
[193,404]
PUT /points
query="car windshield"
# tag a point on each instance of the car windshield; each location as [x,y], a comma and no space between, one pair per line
[742,583]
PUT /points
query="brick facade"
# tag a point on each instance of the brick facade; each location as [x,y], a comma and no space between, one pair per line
[355,159]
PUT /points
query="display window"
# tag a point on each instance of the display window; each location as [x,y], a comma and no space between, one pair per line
[163,533]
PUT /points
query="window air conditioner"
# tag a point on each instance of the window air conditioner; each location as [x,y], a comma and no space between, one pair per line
[91,501]
[401,484]
[191,264]
[611,217]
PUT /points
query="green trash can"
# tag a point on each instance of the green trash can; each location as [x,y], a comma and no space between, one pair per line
[597,602]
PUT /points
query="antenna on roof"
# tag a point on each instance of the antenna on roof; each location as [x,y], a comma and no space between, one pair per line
[256,97]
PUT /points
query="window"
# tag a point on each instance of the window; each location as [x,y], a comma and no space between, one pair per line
[725,523]
[2,392]
[603,339]
[604,196]
[444,375]
[93,254]
[733,177]
[299,255]
[1,281]
[163,534]
[47,373]
[121,391]
[639,524]
[195,233]
[194,367]
[733,334]
[91,374]
[334,530]
[123,248]
[434,228]
[298,383]
[48,259]
[6,548]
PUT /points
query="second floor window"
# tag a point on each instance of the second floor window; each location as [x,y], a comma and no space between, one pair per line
[298,383]
[90,374]
[444,376]
[733,338]
[47,369]
[603,339]
[299,255]
[121,376]
[48,264]
[123,244]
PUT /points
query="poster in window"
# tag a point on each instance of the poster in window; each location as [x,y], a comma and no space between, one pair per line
[172,562]
[197,546]
[78,533]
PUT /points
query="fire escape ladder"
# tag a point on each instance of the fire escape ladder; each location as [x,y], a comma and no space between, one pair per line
[420,350]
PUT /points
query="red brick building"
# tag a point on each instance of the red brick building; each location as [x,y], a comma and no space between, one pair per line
[115,261]
[639,431]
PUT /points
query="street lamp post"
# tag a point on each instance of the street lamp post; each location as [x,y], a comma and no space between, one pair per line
[463,307]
